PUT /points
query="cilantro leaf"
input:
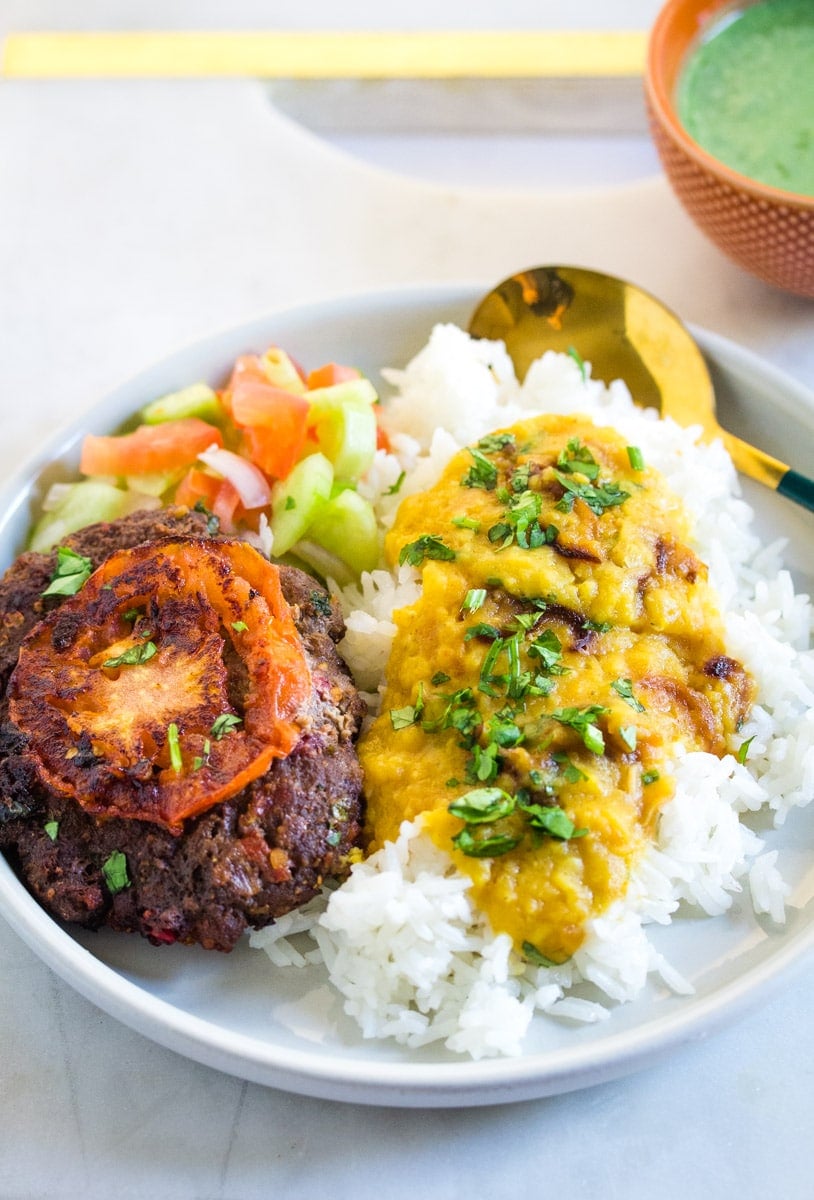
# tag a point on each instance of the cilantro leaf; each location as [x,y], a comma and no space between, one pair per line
[481,805]
[133,656]
[225,723]
[72,570]
[114,869]
[583,720]
[475,844]
[429,545]
[598,497]
[624,688]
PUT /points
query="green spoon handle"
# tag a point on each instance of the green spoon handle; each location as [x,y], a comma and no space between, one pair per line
[798,488]
[769,471]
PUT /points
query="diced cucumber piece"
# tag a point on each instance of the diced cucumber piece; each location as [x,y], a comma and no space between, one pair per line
[83,503]
[281,371]
[346,527]
[197,400]
[345,425]
[317,561]
[154,483]
[297,499]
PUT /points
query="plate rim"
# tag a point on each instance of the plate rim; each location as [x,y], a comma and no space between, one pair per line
[388,1082]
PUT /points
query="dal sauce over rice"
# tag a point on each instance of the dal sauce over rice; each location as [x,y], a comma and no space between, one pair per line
[566,639]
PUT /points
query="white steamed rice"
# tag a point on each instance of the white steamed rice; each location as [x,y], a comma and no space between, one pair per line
[401,939]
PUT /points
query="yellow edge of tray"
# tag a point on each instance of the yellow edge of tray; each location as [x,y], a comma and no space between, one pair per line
[324,55]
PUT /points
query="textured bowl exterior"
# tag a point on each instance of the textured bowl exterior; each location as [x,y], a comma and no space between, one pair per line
[768,232]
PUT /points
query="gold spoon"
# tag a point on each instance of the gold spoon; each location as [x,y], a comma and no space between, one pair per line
[625,333]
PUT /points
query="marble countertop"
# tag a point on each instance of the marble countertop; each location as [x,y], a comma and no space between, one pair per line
[136,217]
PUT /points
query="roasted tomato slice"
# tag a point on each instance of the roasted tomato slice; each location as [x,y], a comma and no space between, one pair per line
[169,682]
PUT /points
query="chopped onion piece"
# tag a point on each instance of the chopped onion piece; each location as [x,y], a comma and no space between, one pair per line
[248,481]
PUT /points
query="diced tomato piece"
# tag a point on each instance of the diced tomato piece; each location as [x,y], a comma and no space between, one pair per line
[382,440]
[273,419]
[275,449]
[197,486]
[247,367]
[256,403]
[164,447]
[219,496]
[225,504]
[331,373]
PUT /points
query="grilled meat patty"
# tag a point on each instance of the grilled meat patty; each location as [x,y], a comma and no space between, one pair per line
[245,861]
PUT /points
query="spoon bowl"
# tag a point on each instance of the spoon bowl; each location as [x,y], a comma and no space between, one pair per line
[625,333]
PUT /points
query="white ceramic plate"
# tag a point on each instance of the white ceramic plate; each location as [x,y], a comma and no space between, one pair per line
[285,1029]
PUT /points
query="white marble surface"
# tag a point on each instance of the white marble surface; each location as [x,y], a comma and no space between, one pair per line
[135,217]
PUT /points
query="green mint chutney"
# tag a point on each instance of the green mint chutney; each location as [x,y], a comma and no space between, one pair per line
[746,94]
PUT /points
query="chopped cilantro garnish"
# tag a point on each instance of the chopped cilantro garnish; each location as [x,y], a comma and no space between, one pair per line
[624,688]
[484,763]
[321,603]
[239,626]
[503,730]
[577,459]
[482,473]
[212,522]
[533,955]
[174,747]
[635,458]
[743,750]
[482,629]
[570,773]
[133,656]
[403,718]
[481,805]
[439,677]
[72,570]
[464,522]
[290,503]
[52,829]
[519,481]
[225,723]
[628,735]
[396,487]
[548,649]
[429,545]
[489,806]
[578,359]
[583,720]
[475,844]
[473,600]
[114,869]
[201,760]
[521,523]
[597,626]
[598,497]
[551,820]
[492,443]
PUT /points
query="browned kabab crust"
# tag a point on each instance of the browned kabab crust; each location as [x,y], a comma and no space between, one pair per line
[240,864]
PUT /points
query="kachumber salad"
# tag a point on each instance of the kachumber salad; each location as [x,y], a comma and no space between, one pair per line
[583,672]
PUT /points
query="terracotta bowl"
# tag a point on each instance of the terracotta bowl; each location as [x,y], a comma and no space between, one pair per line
[767,231]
